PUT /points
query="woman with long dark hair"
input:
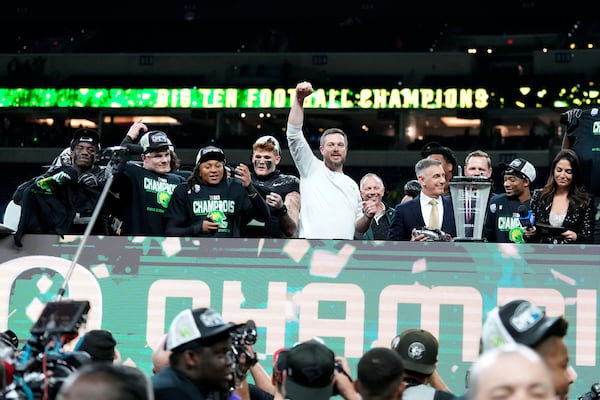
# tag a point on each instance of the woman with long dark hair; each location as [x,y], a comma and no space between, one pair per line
[562,208]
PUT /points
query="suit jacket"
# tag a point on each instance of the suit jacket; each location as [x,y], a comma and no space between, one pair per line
[408,216]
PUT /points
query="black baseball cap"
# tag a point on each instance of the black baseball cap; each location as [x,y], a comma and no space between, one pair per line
[99,344]
[155,141]
[210,153]
[86,135]
[310,370]
[418,350]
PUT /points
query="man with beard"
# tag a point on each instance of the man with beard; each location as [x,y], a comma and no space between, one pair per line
[502,223]
[331,203]
[280,191]
[200,364]
[62,200]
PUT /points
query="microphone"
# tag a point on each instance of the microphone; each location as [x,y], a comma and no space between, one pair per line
[526,217]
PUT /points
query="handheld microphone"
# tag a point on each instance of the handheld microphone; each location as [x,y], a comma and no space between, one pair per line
[526,217]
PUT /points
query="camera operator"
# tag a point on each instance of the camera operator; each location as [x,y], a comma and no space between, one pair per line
[418,350]
[262,389]
[200,364]
[310,371]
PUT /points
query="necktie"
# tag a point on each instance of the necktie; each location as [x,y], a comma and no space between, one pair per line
[434,217]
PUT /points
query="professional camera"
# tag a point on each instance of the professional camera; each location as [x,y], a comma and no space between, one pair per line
[242,337]
[114,158]
[40,367]
[593,394]
[339,368]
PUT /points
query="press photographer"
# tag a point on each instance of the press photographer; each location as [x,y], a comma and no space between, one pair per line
[245,360]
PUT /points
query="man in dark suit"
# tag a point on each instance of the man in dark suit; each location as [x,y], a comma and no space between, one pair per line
[422,211]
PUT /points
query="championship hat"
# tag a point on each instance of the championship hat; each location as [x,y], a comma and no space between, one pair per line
[86,135]
[521,168]
[154,141]
[200,326]
[210,153]
[517,321]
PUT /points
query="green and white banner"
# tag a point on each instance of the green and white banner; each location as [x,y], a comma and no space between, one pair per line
[352,294]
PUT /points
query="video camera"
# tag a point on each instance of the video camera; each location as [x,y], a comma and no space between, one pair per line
[114,158]
[40,368]
[593,394]
[242,337]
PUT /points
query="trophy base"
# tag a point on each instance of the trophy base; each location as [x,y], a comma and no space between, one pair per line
[469,239]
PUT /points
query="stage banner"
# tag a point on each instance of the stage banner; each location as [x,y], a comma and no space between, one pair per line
[352,294]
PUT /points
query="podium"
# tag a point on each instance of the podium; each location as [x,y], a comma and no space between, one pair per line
[470,196]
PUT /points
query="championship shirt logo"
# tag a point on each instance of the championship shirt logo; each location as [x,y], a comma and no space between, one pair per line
[163,198]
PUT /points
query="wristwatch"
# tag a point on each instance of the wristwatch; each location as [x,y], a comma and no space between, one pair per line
[282,211]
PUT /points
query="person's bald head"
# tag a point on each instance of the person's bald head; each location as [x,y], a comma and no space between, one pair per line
[512,371]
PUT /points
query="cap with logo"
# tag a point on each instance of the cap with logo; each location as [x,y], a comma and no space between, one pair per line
[85,135]
[155,141]
[310,367]
[200,326]
[210,153]
[517,321]
[418,350]
[521,168]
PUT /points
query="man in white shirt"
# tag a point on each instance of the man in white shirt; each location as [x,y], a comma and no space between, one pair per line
[331,202]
